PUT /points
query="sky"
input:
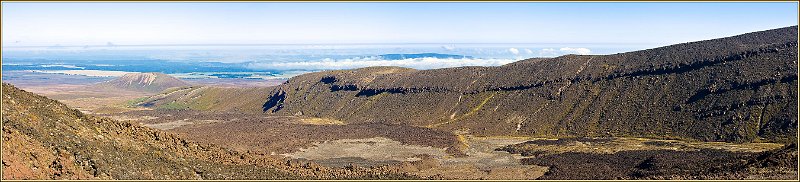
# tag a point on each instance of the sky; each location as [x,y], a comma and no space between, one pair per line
[46,24]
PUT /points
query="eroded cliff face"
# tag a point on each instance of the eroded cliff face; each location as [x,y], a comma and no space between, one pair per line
[740,88]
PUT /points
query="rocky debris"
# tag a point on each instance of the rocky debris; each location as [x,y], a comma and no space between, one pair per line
[649,159]
[665,164]
[44,139]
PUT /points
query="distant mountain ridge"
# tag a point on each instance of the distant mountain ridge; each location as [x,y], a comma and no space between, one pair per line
[147,82]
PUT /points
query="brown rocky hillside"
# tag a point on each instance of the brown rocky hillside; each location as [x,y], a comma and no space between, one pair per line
[44,139]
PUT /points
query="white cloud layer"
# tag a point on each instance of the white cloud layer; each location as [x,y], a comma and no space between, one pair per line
[581,51]
[528,51]
[552,52]
[416,63]
[60,65]
[95,73]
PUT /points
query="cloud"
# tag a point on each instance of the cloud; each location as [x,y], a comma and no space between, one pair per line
[582,51]
[61,65]
[514,51]
[416,63]
[552,52]
[548,52]
[95,73]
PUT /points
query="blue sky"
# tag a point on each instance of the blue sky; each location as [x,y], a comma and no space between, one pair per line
[26,24]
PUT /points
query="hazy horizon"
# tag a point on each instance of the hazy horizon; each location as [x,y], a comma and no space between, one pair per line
[96,24]
[278,40]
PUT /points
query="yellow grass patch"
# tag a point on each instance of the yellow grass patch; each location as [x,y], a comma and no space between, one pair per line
[321,121]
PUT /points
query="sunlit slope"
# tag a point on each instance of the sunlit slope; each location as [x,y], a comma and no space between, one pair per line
[740,88]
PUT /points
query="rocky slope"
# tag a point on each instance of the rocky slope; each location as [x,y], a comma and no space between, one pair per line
[146,82]
[44,139]
[738,89]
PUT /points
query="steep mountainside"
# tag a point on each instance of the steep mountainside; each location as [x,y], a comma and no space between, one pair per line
[740,88]
[44,139]
[146,82]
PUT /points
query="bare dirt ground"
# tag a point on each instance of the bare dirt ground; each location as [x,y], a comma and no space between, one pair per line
[481,160]
[280,134]
[331,143]
[364,152]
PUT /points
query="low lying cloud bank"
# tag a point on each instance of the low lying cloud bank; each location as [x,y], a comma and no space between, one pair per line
[569,50]
[95,73]
[552,52]
[416,63]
